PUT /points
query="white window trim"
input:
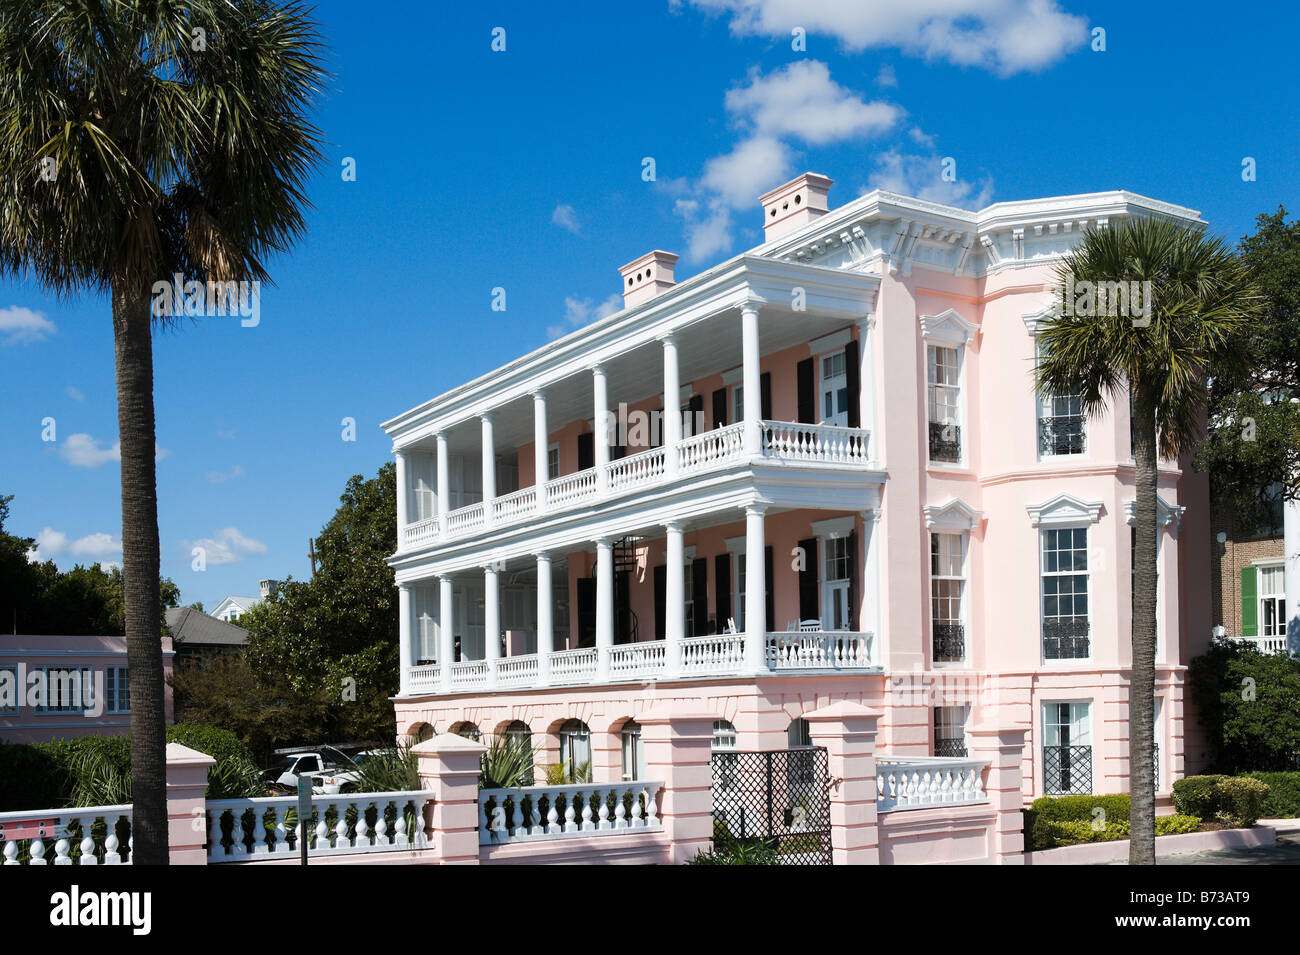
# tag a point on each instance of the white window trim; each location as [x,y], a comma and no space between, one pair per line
[1038,417]
[1067,662]
[834,527]
[953,516]
[1041,770]
[947,329]
[964,610]
[1064,510]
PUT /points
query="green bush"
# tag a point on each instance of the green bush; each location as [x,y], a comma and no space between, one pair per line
[1246,702]
[1283,800]
[1241,801]
[738,852]
[1196,795]
[1176,824]
[1115,808]
[1048,834]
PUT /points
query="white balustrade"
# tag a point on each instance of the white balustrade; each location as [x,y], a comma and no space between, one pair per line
[1268,645]
[515,505]
[712,448]
[824,443]
[819,650]
[469,674]
[465,518]
[715,653]
[571,489]
[573,666]
[636,470]
[517,671]
[645,658]
[244,829]
[421,531]
[95,835]
[921,782]
[534,813]
[426,676]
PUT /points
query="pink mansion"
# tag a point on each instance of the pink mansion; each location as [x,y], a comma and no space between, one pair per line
[815,473]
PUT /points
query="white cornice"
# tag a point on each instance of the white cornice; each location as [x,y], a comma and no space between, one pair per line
[1166,514]
[955,515]
[948,328]
[1064,509]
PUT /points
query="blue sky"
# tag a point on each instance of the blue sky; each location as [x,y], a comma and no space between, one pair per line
[523,169]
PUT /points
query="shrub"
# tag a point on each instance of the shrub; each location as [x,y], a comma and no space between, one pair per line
[1241,801]
[738,852]
[1259,729]
[1176,824]
[1115,808]
[1283,800]
[1195,795]
[1048,834]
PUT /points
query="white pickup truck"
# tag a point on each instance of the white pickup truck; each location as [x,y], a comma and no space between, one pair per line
[330,771]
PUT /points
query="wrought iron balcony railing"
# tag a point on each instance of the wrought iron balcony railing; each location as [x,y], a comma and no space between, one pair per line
[1065,638]
[1067,770]
[1063,434]
[949,642]
[945,442]
[951,747]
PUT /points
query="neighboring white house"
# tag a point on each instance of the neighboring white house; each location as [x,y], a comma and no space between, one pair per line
[235,606]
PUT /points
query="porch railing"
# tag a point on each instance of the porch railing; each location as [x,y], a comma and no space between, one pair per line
[580,809]
[781,441]
[819,650]
[95,835]
[921,782]
[715,653]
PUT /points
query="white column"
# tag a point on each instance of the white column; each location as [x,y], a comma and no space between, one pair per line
[752,383]
[672,423]
[541,449]
[403,497]
[866,381]
[545,620]
[872,545]
[403,639]
[604,605]
[443,482]
[599,425]
[675,598]
[755,591]
[446,631]
[1291,573]
[489,469]
[491,621]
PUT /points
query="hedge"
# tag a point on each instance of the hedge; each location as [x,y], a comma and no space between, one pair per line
[1283,800]
[1115,808]
[1050,834]
[1237,801]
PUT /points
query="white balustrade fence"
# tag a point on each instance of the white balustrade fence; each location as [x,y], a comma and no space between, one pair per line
[637,470]
[426,676]
[573,666]
[96,835]
[820,443]
[711,448]
[638,659]
[921,782]
[244,829]
[819,650]
[516,504]
[571,489]
[469,675]
[554,812]
[517,671]
[422,531]
[715,653]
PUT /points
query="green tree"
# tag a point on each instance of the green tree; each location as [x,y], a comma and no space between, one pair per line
[141,139]
[1200,297]
[339,629]
[1249,706]
[1253,447]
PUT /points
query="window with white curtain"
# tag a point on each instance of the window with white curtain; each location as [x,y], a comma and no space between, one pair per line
[634,765]
[575,751]
[837,567]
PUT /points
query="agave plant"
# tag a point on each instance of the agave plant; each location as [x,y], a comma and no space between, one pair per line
[396,769]
[508,763]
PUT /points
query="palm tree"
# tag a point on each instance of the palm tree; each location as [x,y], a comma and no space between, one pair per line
[140,139]
[1199,296]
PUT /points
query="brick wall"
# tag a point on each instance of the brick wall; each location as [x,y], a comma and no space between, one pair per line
[1238,550]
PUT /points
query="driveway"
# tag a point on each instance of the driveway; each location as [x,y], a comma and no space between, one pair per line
[1286,852]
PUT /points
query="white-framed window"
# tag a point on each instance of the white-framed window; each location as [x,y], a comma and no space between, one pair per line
[737,403]
[423,485]
[950,731]
[943,402]
[688,590]
[947,596]
[724,736]
[1062,424]
[575,750]
[834,391]
[1064,593]
[10,691]
[553,462]
[798,734]
[738,596]
[634,765]
[468,730]
[1067,747]
[1272,601]
[64,689]
[837,569]
[117,689]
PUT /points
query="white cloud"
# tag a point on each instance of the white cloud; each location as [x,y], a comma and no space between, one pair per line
[22,326]
[83,451]
[566,218]
[96,545]
[51,543]
[922,176]
[886,76]
[228,546]
[802,101]
[74,393]
[221,477]
[739,177]
[1005,36]
[581,311]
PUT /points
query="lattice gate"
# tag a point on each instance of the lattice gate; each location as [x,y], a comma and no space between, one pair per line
[780,797]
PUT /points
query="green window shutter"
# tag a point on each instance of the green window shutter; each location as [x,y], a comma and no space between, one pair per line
[1249,603]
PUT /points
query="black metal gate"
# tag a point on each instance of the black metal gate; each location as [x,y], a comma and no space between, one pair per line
[779,797]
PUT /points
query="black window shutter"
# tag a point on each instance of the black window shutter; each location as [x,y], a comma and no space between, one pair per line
[853,375]
[586,451]
[695,423]
[700,586]
[807,398]
[722,589]
[768,565]
[720,408]
[586,612]
[809,596]
[661,600]
[853,580]
[657,429]
[765,394]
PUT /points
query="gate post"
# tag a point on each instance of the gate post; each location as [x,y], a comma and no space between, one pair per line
[449,768]
[1004,787]
[678,747]
[848,732]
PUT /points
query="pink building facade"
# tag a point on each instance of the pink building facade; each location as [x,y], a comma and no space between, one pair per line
[856,497]
[62,687]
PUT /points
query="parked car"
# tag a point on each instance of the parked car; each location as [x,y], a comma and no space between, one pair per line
[330,771]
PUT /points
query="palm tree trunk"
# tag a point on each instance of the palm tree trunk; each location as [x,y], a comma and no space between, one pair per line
[133,353]
[1142,842]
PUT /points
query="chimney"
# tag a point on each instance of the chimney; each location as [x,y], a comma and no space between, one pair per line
[794,204]
[646,277]
[267,588]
